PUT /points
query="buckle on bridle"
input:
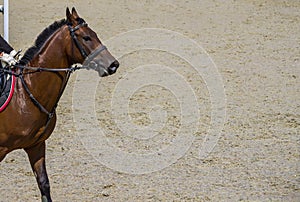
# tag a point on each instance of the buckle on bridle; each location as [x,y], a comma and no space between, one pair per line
[72,30]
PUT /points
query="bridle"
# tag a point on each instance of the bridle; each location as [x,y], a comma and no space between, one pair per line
[69,70]
[79,46]
[74,37]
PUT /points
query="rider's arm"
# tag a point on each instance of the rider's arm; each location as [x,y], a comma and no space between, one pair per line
[4,46]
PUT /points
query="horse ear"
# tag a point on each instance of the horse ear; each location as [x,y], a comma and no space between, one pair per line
[68,14]
[74,13]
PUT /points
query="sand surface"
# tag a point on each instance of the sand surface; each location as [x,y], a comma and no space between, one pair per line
[255,47]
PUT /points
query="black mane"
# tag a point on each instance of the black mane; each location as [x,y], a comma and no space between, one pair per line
[41,39]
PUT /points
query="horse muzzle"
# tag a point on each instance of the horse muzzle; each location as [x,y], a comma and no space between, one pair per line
[102,62]
[103,71]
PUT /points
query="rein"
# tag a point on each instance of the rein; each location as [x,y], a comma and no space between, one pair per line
[41,69]
[44,69]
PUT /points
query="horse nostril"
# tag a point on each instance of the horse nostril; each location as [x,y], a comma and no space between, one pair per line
[115,64]
[113,67]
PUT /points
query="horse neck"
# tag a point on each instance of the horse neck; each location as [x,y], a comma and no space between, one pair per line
[47,87]
[53,53]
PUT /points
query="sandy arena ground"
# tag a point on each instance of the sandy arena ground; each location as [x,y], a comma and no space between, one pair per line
[256,48]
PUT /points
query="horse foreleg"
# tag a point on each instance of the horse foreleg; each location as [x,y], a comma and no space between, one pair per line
[36,156]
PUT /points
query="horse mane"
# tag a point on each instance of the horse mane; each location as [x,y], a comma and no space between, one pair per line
[40,41]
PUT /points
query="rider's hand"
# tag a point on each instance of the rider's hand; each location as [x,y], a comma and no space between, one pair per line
[8,58]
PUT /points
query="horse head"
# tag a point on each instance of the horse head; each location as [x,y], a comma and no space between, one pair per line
[89,50]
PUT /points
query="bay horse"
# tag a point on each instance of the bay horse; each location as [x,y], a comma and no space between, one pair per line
[42,75]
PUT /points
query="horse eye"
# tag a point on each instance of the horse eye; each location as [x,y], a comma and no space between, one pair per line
[87,38]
